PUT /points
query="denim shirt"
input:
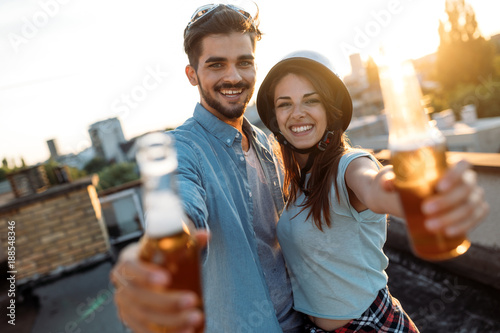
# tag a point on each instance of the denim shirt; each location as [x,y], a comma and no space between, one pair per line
[213,184]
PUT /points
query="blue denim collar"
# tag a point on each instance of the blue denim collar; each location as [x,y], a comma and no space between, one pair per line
[227,134]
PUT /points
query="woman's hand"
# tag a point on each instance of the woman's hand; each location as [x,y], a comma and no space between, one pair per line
[459,204]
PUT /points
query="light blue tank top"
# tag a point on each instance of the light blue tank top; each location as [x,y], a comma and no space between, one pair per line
[336,273]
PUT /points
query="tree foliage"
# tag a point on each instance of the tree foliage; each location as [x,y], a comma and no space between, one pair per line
[466,66]
[463,56]
[7,167]
[95,165]
[117,174]
[496,65]
[50,170]
[485,97]
[4,169]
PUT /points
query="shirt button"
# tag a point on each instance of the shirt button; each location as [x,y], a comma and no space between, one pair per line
[237,135]
[250,194]
[274,183]
[242,158]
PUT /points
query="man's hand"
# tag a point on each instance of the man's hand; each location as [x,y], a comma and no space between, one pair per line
[143,297]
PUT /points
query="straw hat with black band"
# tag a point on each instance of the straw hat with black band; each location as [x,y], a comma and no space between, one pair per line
[320,65]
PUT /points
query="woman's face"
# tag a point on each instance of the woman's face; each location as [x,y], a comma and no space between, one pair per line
[300,113]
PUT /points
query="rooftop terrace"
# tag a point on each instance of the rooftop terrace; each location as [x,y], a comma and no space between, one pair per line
[461,295]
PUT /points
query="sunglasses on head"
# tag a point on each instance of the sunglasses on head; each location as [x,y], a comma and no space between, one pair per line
[206,9]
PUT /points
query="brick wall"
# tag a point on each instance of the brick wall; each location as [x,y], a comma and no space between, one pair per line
[55,230]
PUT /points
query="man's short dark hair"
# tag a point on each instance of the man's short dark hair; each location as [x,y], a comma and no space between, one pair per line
[221,20]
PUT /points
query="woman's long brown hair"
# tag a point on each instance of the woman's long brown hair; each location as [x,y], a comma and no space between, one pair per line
[325,165]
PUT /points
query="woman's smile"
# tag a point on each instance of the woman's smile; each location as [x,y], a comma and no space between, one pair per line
[301,128]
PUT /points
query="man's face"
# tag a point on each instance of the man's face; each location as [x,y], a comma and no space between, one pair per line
[226,74]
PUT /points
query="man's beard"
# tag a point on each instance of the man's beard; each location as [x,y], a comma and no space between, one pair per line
[230,113]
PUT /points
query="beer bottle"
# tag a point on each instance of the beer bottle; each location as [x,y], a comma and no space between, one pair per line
[167,240]
[418,155]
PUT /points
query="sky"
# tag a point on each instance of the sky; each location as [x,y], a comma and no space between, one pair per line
[65,64]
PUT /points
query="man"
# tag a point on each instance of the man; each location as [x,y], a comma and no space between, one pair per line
[230,184]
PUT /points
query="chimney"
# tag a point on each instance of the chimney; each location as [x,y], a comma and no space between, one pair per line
[53,148]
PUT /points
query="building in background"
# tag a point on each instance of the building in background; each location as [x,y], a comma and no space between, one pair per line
[366,96]
[73,160]
[106,137]
[54,151]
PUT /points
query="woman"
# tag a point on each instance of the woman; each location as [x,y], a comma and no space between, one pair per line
[334,228]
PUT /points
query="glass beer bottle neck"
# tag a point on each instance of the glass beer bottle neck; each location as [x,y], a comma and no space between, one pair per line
[164,214]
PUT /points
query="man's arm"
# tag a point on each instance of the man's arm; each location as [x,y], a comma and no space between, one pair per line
[142,295]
